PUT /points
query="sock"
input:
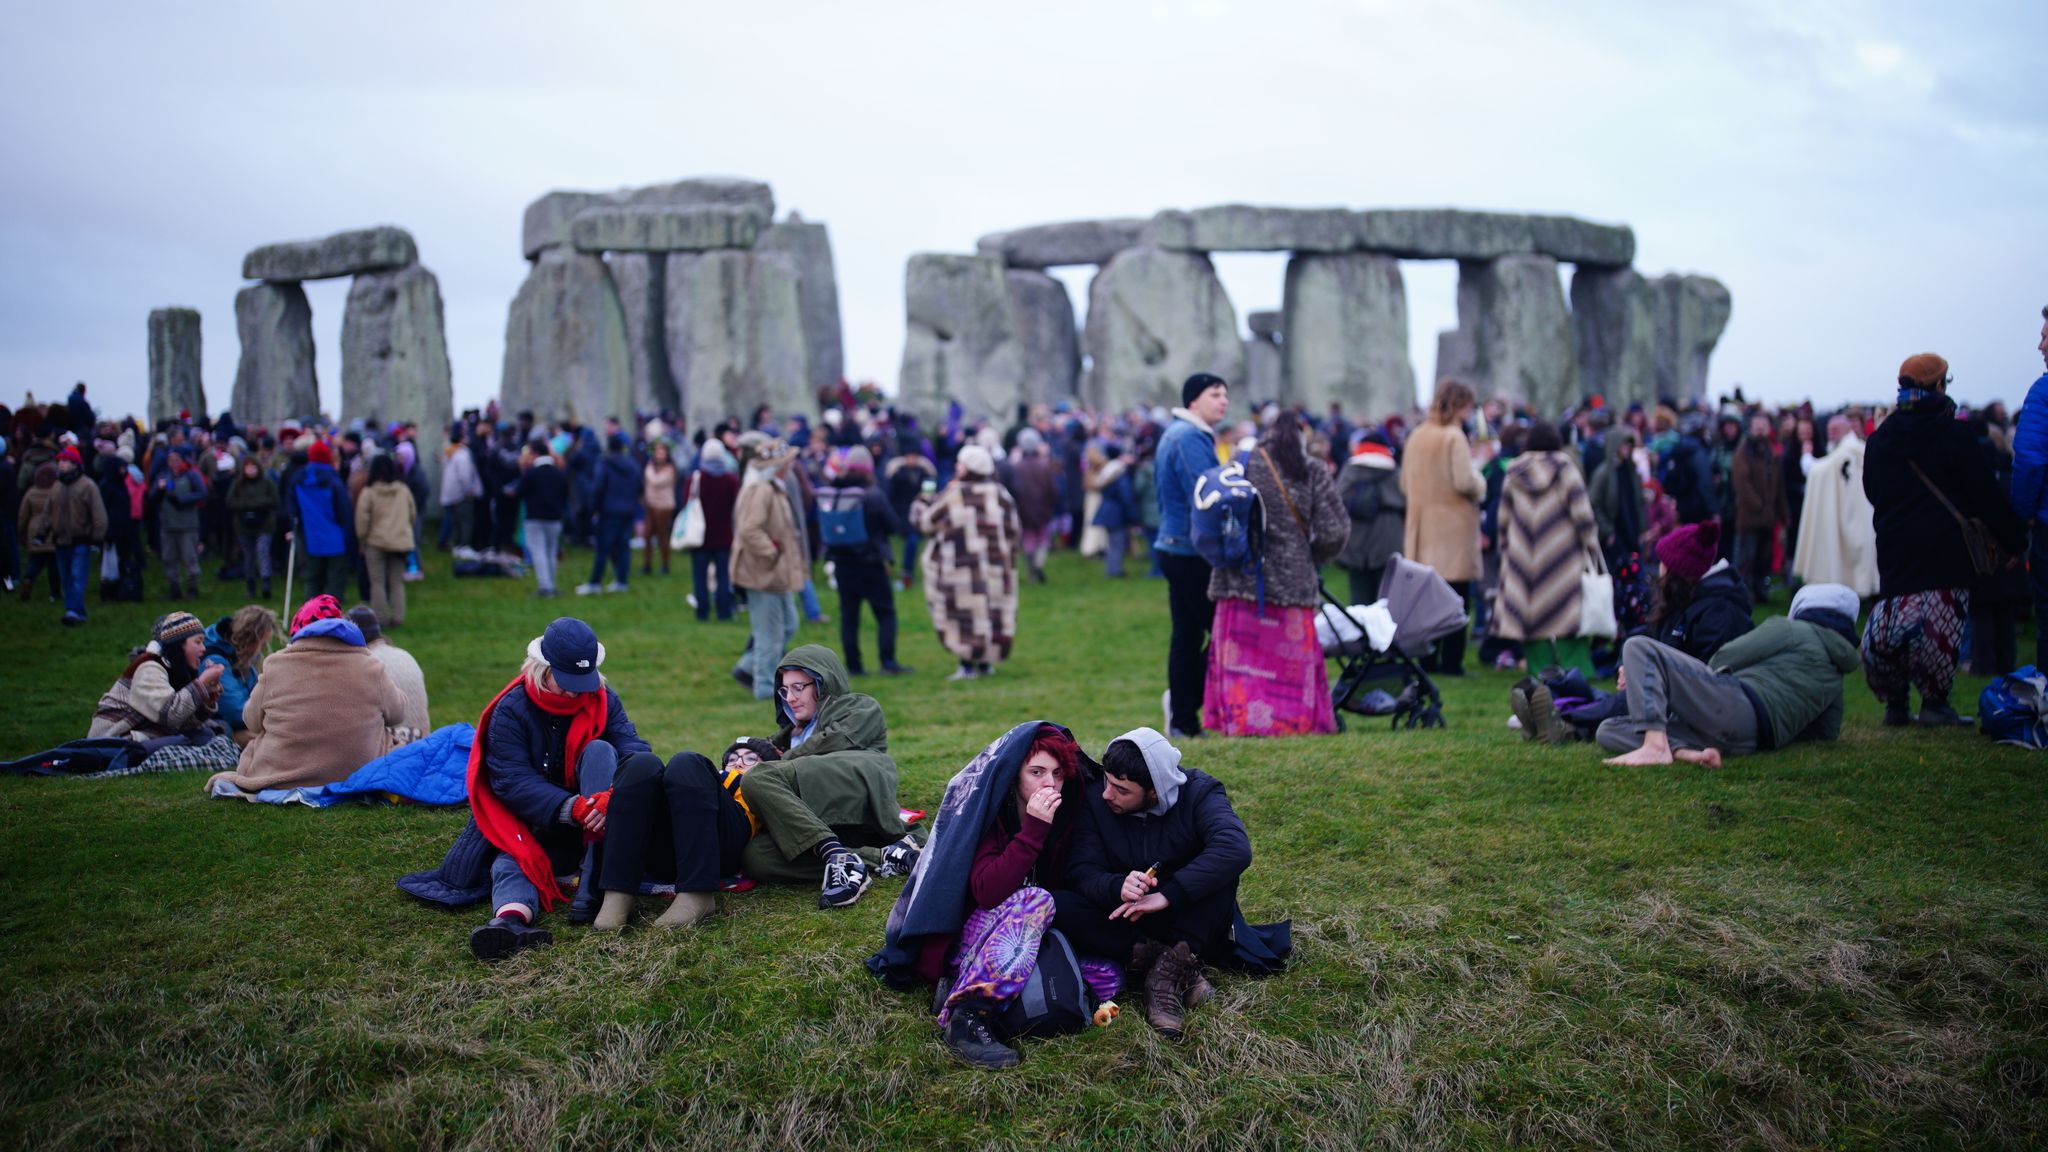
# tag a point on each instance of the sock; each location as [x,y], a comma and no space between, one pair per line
[825,849]
[517,912]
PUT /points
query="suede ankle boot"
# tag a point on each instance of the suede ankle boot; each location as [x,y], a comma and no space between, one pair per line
[687,909]
[614,912]
[1165,1009]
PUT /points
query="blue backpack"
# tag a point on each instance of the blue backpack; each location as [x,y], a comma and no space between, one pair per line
[2011,709]
[842,526]
[1228,523]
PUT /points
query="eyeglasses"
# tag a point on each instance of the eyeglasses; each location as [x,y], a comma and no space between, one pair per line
[792,691]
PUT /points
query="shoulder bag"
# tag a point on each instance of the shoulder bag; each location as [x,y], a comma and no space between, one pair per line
[1986,557]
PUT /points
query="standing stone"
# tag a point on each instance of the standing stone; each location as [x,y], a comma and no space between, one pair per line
[641,281]
[1345,335]
[809,246]
[174,383]
[1154,319]
[961,342]
[565,342]
[275,380]
[1045,328]
[1262,369]
[1614,321]
[549,219]
[1513,311]
[1073,242]
[735,334]
[394,354]
[1692,312]
[342,254]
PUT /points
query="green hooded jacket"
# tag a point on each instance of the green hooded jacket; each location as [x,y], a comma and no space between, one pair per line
[1795,667]
[848,777]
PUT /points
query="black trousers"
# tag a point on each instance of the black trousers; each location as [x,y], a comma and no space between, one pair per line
[1203,924]
[865,582]
[1449,657]
[671,823]
[1187,653]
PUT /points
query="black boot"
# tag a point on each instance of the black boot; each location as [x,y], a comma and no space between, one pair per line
[583,909]
[266,589]
[505,935]
[969,1037]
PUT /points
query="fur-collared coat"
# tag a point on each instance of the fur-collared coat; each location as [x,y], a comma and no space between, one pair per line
[1547,534]
[970,567]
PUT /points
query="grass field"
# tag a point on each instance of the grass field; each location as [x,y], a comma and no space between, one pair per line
[1497,943]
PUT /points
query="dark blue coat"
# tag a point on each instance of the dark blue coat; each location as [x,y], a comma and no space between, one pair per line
[617,492]
[523,754]
[1199,844]
[545,490]
[1119,506]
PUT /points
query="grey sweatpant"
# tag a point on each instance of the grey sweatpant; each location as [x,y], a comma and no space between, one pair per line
[1693,705]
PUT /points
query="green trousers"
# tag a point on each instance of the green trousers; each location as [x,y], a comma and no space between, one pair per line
[804,802]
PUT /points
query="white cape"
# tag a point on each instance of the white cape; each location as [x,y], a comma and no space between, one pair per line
[1837,536]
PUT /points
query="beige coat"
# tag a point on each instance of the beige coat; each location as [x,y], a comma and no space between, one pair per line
[767,553]
[408,679]
[384,517]
[322,709]
[1444,491]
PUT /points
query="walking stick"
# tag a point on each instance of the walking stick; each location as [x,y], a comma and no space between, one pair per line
[291,562]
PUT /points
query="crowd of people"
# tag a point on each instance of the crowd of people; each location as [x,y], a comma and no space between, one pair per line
[1914,515]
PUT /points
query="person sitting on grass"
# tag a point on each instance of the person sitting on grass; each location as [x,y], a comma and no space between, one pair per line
[681,823]
[399,664]
[829,804]
[1776,685]
[324,708]
[1152,882]
[164,697]
[540,778]
[237,644]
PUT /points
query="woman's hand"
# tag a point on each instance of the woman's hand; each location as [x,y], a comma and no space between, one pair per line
[1043,804]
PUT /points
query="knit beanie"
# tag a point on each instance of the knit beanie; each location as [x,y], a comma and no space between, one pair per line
[320,453]
[1197,384]
[174,627]
[1688,552]
[974,460]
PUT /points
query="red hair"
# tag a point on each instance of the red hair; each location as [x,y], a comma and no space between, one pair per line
[1061,747]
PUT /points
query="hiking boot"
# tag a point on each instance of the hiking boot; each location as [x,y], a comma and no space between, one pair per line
[505,935]
[1548,723]
[1165,986]
[1897,714]
[1518,703]
[899,858]
[846,877]
[1144,954]
[969,1037]
[1941,715]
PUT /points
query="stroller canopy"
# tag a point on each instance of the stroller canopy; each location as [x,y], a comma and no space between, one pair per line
[1425,607]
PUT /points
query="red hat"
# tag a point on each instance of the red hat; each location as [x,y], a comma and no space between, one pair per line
[70,453]
[1688,552]
[320,453]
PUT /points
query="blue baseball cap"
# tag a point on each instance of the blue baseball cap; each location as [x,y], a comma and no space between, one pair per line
[573,655]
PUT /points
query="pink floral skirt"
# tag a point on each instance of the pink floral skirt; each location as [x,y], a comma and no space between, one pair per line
[1266,674]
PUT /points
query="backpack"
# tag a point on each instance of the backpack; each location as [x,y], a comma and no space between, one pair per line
[1055,998]
[1228,521]
[2011,709]
[841,526]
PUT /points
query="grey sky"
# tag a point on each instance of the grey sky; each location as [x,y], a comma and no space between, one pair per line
[1866,177]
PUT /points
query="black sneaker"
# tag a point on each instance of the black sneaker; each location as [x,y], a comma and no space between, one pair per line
[1897,714]
[846,877]
[505,935]
[969,1038]
[1941,716]
[899,858]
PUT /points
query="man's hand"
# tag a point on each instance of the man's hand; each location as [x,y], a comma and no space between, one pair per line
[589,811]
[1135,886]
[1043,804]
[1135,909]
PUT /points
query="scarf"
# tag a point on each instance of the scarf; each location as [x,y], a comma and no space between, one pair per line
[1913,399]
[499,824]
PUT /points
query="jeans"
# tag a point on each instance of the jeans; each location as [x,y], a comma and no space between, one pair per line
[614,543]
[181,556]
[543,544]
[1187,653]
[866,582]
[510,888]
[1113,556]
[812,609]
[255,557]
[458,521]
[910,543]
[702,560]
[1753,560]
[387,585]
[772,618]
[672,823]
[74,565]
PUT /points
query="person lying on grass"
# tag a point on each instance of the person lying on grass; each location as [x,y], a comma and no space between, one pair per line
[683,823]
[1776,685]
[1152,879]
[540,779]
[827,808]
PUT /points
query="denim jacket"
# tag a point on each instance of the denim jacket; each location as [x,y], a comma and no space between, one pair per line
[1187,450]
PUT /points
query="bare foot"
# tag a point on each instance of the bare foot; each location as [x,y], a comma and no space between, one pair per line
[1641,757]
[1704,757]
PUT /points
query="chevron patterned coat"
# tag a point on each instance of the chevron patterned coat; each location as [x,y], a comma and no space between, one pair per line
[1547,531]
[970,567]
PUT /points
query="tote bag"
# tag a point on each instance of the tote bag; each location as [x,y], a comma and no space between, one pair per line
[689,530]
[1596,599]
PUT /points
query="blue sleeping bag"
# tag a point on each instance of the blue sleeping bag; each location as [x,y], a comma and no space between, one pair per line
[431,770]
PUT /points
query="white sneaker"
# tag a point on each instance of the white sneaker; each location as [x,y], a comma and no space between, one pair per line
[690,598]
[615,586]
[1166,706]
[588,589]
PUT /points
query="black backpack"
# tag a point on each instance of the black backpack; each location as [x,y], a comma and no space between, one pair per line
[1056,998]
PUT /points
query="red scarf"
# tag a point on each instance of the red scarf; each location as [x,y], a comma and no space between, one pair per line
[499,824]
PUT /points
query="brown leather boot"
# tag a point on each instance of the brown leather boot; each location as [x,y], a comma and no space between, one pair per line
[1164,1008]
[1198,990]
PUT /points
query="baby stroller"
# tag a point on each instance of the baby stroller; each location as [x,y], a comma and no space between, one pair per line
[1422,609]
